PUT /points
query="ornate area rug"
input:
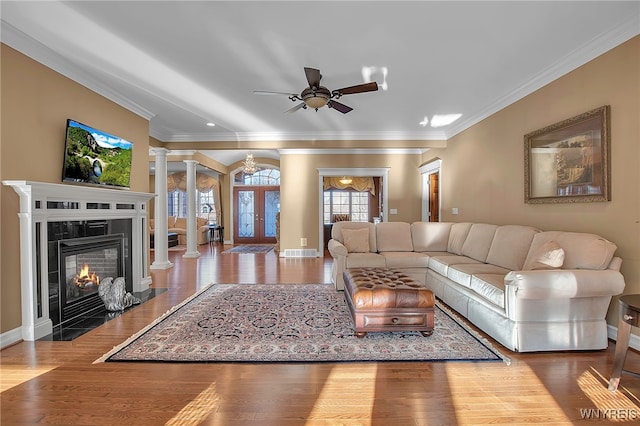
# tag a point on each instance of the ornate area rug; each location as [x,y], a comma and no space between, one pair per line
[288,323]
[250,248]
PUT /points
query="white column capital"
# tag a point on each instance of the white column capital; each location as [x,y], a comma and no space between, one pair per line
[158,151]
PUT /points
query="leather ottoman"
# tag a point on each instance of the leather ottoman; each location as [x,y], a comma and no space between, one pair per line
[383,299]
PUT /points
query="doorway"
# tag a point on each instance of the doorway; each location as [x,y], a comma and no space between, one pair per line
[255,209]
[434,197]
[431,191]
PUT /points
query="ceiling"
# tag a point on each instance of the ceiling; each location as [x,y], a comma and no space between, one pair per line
[183,64]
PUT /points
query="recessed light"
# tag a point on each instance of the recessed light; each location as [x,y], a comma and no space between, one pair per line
[210,124]
[440,120]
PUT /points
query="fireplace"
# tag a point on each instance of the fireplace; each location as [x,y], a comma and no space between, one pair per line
[83,262]
[56,220]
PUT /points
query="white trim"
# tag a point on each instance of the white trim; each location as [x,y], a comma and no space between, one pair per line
[354,151]
[425,170]
[232,178]
[589,51]
[403,135]
[10,337]
[382,172]
[37,51]
[634,339]
[34,216]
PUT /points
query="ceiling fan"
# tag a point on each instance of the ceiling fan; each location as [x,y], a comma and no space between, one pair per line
[316,96]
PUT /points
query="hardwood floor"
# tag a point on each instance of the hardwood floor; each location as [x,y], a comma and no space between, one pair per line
[53,382]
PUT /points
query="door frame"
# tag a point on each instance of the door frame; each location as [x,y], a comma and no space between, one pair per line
[232,212]
[259,201]
[426,170]
[381,172]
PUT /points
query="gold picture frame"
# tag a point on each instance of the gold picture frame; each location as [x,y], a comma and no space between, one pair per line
[569,162]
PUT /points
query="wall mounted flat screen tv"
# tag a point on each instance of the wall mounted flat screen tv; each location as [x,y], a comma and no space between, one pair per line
[93,157]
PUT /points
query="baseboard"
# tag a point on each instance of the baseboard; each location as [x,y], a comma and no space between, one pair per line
[10,337]
[299,253]
[634,340]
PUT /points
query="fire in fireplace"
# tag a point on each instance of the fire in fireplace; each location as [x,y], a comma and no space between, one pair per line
[83,262]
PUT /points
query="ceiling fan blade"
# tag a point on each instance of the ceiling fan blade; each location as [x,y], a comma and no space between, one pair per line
[265,92]
[359,88]
[313,77]
[295,108]
[340,107]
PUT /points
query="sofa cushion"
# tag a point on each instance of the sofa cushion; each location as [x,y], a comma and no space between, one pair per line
[394,236]
[478,241]
[403,259]
[510,246]
[171,222]
[457,235]
[462,273]
[356,240]
[581,250]
[365,260]
[440,264]
[546,256]
[489,287]
[430,236]
[336,232]
[181,222]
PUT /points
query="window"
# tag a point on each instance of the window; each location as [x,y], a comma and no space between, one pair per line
[263,177]
[177,204]
[207,206]
[351,203]
[177,201]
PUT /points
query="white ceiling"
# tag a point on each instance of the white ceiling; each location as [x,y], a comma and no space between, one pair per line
[182,64]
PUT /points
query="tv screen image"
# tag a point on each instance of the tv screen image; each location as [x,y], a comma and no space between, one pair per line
[94,157]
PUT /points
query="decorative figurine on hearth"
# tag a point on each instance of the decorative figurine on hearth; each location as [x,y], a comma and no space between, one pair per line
[114,294]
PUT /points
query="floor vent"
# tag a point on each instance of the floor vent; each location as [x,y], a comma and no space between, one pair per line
[300,253]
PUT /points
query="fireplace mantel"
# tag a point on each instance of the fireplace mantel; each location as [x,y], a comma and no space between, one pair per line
[41,203]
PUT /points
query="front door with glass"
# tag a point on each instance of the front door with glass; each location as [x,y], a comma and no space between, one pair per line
[256,209]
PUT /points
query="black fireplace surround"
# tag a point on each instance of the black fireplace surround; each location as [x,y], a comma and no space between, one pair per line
[80,254]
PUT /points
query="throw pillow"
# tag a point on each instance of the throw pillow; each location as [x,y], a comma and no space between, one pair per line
[356,240]
[548,256]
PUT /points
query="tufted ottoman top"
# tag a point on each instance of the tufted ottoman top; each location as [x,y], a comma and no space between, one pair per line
[375,288]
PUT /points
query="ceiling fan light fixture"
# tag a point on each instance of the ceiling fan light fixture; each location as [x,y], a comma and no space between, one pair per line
[316,98]
[345,180]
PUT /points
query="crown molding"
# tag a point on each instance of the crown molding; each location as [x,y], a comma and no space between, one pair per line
[354,151]
[13,37]
[29,46]
[297,136]
[587,52]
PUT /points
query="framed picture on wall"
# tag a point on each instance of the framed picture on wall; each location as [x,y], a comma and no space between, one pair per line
[568,162]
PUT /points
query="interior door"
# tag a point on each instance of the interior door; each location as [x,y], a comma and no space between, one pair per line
[256,208]
[434,197]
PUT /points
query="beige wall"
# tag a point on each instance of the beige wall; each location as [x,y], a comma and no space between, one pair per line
[299,191]
[36,102]
[483,171]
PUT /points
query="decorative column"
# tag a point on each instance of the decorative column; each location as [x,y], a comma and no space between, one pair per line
[161,244]
[192,238]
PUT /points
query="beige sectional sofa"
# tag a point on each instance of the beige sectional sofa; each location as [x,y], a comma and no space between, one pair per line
[179,226]
[531,290]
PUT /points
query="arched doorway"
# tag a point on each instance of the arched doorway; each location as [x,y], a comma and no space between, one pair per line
[256,201]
